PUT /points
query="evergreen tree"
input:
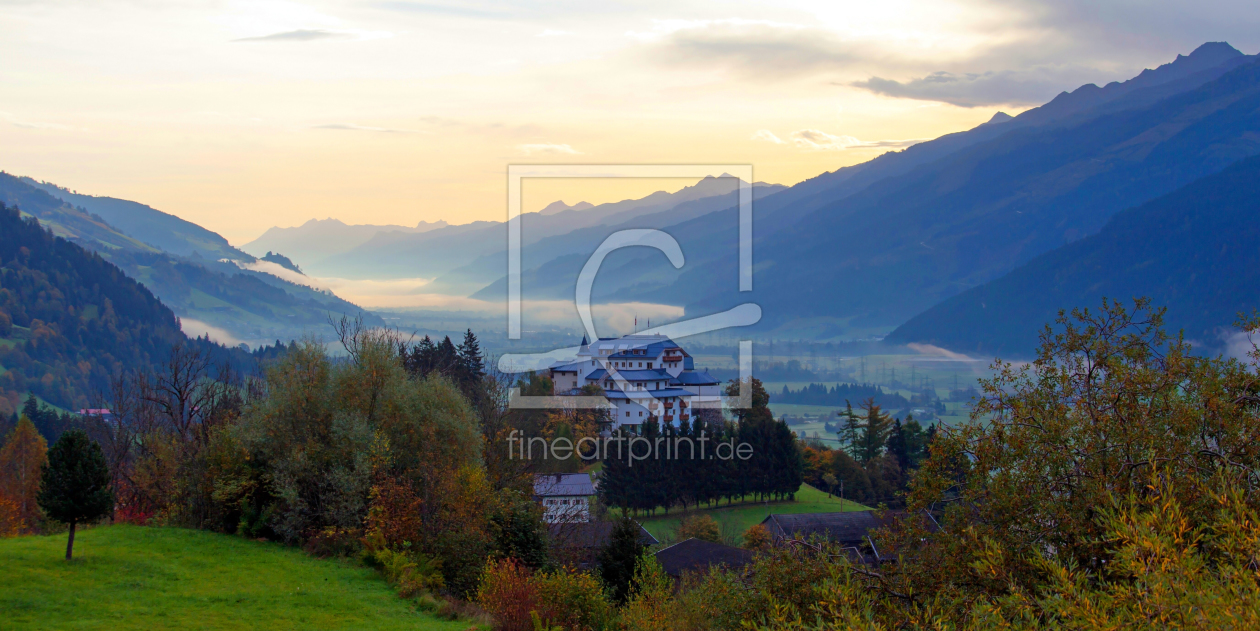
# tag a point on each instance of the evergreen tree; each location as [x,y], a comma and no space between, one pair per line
[618,558]
[874,432]
[472,366]
[897,447]
[850,429]
[75,482]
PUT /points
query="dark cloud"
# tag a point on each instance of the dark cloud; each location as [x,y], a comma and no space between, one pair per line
[300,35]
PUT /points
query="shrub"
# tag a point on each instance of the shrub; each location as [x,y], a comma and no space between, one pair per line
[650,604]
[699,527]
[508,595]
[334,542]
[756,537]
[572,600]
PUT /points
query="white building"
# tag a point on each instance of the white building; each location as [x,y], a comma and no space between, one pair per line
[643,377]
[565,497]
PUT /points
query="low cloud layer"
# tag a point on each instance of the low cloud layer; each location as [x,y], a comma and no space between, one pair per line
[353,127]
[817,140]
[548,149]
[1028,87]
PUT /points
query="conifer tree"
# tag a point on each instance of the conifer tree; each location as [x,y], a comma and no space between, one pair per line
[75,482]
[618,558]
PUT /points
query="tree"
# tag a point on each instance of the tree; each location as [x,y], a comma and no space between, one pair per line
[21,460]
[472,367]
[699,527]
[874,432]
[75,484]
[618,558]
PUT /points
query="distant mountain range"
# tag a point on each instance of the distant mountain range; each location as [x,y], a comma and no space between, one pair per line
[314,241]
[190,277]
[861,250]
[1194,250]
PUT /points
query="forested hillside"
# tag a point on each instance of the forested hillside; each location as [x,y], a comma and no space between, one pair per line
[68,318]
[1193,251]
[190,278]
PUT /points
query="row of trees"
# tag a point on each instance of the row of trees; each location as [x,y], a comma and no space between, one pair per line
[840,394]
[760,457]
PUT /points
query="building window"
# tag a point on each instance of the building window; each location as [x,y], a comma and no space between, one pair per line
[640,413]
[627,412]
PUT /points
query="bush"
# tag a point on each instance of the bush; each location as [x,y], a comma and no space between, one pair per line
[521,600]
[508,595]
[699,527]
[756,537]
[572,600]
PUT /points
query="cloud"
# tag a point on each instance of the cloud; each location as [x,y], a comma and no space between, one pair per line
[549,149]
[33,124]
[353,127]
[1017,87]
[768,136]
[197,328]
[314,35]
[763,49]
[817,140]
[553,33]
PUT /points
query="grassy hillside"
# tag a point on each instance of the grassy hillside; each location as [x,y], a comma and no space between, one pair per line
[130,577]
[735,519]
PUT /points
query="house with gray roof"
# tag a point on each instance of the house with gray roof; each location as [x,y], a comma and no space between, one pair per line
[565,497]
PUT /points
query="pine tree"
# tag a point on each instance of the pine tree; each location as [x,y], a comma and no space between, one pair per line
[470,357]
[75,482]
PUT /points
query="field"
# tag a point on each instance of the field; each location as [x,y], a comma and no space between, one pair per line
[131,577]
[735,519]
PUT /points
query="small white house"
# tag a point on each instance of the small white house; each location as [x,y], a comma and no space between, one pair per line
[565,497]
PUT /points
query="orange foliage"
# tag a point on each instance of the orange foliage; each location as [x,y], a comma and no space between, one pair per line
[24,452]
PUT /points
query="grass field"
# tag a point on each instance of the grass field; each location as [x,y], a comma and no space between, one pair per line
[131,577]
[735,519]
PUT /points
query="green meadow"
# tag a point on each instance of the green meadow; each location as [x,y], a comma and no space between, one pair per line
[132,577]
[738,517]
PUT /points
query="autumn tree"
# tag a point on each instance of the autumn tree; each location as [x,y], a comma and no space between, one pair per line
[21,459]
[75,483]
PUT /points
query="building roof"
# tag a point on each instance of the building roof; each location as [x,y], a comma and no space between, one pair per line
[697,555]
[849,528]
[655,374]
[563,484]
[695,378]
[594,534]
[562,366]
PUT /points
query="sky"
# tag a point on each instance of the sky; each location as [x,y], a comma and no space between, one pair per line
[240,116]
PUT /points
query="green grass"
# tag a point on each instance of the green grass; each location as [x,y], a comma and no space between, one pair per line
[737,518]
[132,577]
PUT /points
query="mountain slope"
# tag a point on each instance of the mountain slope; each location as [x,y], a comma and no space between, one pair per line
[161,230]
[247,304]
[814,242]
[1193,250]
[906,242]
[68,318]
